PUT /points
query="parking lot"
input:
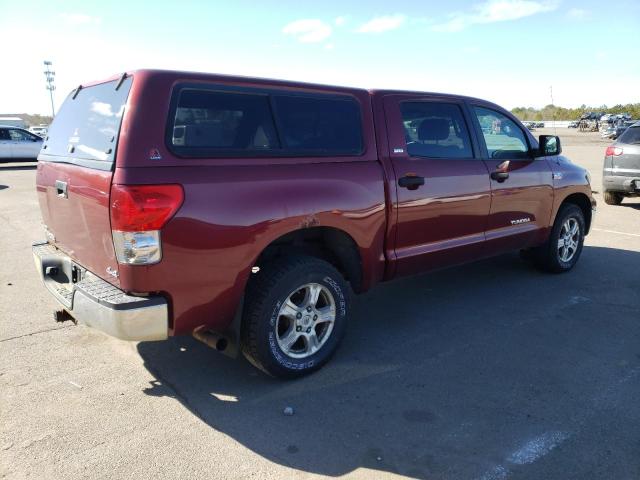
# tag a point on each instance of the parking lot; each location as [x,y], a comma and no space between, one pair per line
[487,371]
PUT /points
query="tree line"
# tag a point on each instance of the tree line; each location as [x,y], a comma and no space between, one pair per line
[33,119]
[553,112]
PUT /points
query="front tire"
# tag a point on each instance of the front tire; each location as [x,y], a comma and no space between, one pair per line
[295,316]
[612,198]
[563,248]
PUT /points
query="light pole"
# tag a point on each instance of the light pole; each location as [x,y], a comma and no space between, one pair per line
[50,76]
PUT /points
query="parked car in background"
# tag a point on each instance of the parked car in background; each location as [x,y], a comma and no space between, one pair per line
[246,211]
[18,144]
[40,130]
[539,125]
[621,171]
[619,130]
[529,125]
[613,132]
[573,124]
[608,132]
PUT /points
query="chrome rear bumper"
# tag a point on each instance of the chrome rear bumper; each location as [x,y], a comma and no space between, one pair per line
[98,304]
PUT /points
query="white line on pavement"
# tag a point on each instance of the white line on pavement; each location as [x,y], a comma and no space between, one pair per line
[619,233]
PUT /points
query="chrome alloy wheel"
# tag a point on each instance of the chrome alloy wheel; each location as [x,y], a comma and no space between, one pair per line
[569,239]
[305,320]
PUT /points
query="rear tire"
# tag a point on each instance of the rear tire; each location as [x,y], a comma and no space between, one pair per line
[612,198]
[563,248]
[295,316]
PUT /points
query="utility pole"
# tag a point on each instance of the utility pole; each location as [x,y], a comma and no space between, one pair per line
[554,110]
[50,76]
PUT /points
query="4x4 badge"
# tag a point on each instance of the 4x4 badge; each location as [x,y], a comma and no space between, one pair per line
[112,272]
[154,154]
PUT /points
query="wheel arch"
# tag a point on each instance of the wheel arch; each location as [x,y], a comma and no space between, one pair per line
[331,244]
[582,201]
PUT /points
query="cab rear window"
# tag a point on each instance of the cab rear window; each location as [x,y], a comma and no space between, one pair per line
[255,123]
[85,130]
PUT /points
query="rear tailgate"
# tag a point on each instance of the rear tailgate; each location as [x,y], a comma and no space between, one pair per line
[75,169]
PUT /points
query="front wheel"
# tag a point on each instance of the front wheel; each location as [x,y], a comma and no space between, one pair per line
[563,248]
[295,316]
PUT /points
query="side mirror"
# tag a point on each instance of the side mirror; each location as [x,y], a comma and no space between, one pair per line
[549,145]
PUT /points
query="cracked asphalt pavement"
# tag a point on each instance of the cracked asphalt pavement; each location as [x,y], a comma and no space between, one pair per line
[485,371]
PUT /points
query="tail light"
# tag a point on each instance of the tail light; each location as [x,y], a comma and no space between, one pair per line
[613,151]
[138,213]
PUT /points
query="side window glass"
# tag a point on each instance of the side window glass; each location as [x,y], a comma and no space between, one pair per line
[504,139]
[319,125]
[213,123]
[435,130]
[224,121]
[4,134]
[19,136]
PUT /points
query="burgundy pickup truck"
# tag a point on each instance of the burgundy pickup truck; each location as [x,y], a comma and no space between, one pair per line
[245,211]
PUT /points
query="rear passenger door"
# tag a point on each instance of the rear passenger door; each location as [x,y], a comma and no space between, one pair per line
[521,183]
[442,185]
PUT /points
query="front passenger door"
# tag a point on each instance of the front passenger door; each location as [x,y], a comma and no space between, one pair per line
[521,184]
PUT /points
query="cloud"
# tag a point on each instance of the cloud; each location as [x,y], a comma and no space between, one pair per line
[382,24]
[494,11]
[339,21]
[308,30]
[79,19]
[577,13]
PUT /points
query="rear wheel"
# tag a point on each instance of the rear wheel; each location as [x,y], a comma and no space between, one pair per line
[612,198]
[295,316]
[563,248]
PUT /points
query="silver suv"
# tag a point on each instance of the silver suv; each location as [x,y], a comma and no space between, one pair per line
[621,173]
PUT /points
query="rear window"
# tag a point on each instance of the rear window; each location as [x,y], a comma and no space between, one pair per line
[213,123]
[85,130]
[630,136]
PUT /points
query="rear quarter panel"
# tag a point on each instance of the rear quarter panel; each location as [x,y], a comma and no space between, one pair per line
[232,213]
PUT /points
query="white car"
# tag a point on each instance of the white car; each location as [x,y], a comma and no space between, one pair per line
[39,130]
[17,143]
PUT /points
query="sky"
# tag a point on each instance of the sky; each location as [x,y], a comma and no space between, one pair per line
[512,52]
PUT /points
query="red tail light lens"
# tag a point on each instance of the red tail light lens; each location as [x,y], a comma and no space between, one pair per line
[136,208]
[613,151]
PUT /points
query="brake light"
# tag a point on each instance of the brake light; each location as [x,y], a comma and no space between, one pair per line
[138,212]
[137,208]
[613,151]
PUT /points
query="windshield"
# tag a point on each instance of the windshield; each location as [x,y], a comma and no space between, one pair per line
[85,130]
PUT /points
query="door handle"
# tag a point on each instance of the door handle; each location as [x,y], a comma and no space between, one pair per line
[499,176]
[61,188]
[411,182]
